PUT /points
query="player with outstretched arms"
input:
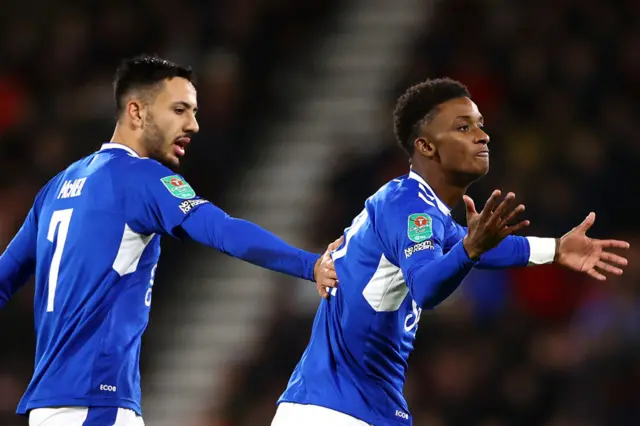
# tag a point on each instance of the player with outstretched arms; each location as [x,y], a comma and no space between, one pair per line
[92,238]
[404,253]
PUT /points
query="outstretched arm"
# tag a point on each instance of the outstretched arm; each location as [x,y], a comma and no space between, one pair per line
[574,250]
[245,240]
[166,204]
[513,251]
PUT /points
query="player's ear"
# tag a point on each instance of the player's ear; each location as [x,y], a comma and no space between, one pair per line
[424,147]
[136,113]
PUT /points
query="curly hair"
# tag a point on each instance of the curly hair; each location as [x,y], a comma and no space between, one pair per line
[418,104]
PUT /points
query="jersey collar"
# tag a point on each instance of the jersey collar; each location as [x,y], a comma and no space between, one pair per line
[425,186]
[113,145]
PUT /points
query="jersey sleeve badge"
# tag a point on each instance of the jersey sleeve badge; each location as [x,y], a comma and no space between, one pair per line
[178,187]
[419,227]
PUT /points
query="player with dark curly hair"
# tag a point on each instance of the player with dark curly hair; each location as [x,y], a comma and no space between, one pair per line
[404,253]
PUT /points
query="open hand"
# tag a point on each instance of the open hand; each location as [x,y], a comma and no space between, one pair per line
[583,254]
[325,271]
[489,227]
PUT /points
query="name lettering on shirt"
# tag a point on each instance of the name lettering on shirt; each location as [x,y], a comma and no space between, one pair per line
[72,188]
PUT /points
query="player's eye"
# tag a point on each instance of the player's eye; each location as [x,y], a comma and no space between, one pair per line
[179,111]
[463,128]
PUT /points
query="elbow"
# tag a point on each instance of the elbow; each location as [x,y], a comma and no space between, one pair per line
[429,301]
[429,293]
[424,294]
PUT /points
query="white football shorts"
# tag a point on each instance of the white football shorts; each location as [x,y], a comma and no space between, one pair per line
[83,416]
[289,414]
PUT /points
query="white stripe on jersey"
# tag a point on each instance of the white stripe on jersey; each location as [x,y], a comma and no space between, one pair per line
[421,195]
[424,185]
[386,290]
[131,247]
[424,190]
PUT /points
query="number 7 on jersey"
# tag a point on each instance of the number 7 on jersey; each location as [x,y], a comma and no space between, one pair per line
[62,218]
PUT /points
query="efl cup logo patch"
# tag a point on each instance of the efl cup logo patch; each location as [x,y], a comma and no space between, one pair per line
[178,187]
[419,227]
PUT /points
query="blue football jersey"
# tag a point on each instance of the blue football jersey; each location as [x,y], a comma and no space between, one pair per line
[97,228]
[356,360]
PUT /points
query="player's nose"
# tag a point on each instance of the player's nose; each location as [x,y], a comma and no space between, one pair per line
[192,126]
[482,137]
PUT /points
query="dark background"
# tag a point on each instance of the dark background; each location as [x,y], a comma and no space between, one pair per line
[558,82]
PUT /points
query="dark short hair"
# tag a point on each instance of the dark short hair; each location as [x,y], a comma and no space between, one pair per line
[418,103]
[144,72]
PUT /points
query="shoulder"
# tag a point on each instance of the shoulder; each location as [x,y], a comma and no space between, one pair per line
[405,213]
[54,184]
[403,196]
[157,182]
[141,167]
[146,172]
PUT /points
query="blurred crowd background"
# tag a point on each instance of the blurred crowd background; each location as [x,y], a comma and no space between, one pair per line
[558,82]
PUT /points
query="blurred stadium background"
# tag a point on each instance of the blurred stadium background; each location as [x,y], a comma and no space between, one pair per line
[296,131]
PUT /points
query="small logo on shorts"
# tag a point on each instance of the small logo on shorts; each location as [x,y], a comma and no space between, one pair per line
[402,415]
[108,388]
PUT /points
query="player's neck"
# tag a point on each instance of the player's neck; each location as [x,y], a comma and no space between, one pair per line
[123,137]
[450,194]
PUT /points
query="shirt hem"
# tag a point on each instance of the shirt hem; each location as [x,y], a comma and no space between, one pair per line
[23,410]
[343,410]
